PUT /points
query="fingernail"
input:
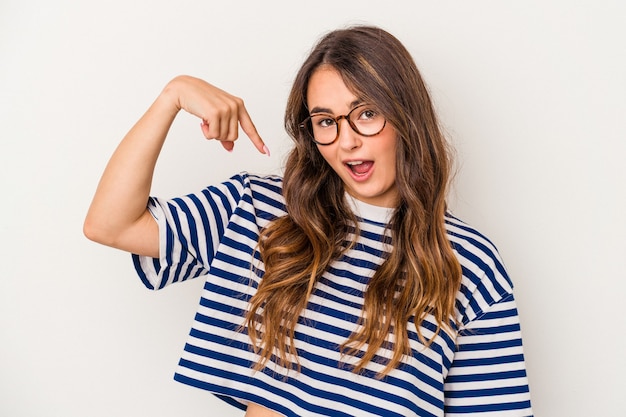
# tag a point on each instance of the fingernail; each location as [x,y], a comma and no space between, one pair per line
[266,150]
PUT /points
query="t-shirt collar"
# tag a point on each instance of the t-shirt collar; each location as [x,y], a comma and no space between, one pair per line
[368,211]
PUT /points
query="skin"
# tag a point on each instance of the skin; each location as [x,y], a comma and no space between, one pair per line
[377,185]
[255,410]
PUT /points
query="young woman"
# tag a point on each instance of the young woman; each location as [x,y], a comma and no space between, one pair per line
[344,288]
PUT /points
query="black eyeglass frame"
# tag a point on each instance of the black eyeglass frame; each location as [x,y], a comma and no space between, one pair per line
[303,125]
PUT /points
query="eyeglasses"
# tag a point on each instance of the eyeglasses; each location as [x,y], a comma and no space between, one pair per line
[364,119]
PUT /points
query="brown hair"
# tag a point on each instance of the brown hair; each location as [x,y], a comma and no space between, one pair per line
[296,249]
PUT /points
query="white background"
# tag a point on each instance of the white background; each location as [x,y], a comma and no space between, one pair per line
[531,93]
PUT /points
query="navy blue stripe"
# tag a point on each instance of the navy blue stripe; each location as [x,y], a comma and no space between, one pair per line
[211,286]
[518,389]
[269,201]
[235,195]
[235,262]
[206,227]
[169,260]
[484,408]
[375,237]
[183,241]
[328,311]
[369,221]
[211,337]
[492,376]
[227,241]
[156,264]
[265,215]
[246,215]
[502,314]
[483,331]
[343,273]
[230,401]
[492,345]
[215,305]
[219,223]
[361,247]
[230,276]
[361,263]
[193,230]
[436,347]
[272,183]
[472,277]
[498,360]
[327,296]
[142,275]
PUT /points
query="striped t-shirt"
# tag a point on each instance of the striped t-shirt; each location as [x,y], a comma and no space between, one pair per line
[479,371]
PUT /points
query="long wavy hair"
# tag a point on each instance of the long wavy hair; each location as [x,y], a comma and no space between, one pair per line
[297,248]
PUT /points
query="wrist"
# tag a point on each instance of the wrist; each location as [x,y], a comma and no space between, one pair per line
[170,96]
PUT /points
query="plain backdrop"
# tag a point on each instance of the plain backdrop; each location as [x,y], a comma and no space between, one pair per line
[531,94]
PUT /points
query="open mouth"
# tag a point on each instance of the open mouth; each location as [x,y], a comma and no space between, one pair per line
[360,168]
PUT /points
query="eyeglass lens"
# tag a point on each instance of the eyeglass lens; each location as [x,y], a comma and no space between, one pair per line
[364,120]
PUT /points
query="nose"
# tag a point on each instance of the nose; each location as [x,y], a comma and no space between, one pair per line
[347,138]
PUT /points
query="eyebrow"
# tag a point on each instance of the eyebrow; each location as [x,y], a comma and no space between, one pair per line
[315,110]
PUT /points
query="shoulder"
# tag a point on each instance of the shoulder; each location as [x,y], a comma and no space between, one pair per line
[485,279]
[259,194]
[245,183]
[249,180]
[267,184]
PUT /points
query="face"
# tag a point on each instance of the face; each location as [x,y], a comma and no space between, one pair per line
[366,165]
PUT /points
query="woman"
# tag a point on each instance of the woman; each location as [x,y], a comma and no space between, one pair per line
[344,288]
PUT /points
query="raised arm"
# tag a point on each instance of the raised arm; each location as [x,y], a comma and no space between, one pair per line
[118,216]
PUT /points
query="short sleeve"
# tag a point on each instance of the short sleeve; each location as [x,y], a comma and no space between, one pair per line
[488,373]
[190,229]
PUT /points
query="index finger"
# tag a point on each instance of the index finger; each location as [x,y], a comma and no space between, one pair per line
[250,130]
